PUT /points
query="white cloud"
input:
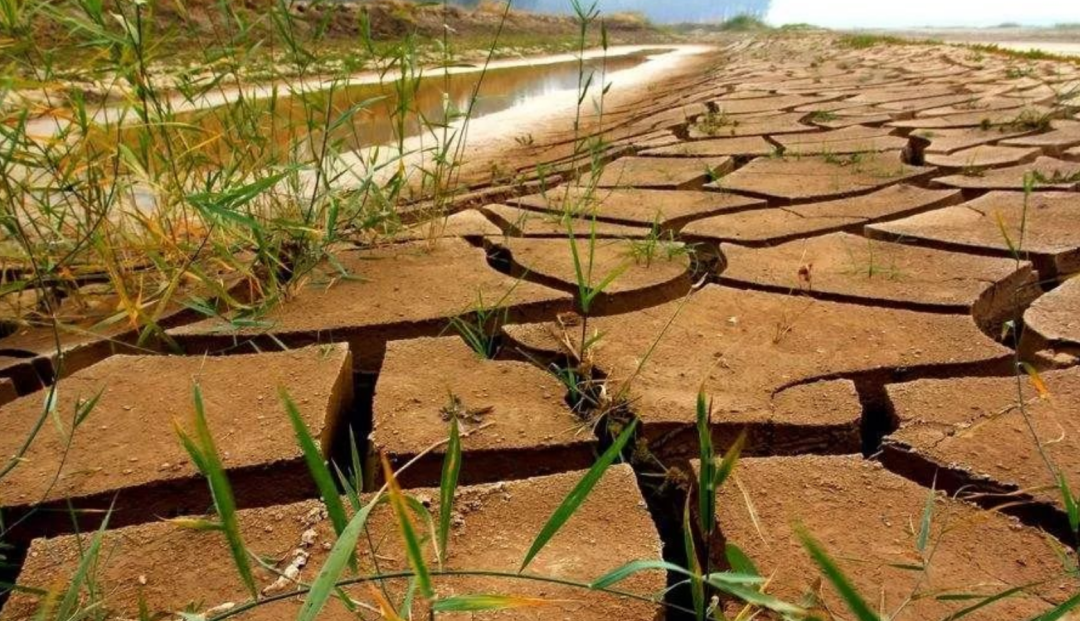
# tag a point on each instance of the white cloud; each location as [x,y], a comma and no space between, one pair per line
[913,13]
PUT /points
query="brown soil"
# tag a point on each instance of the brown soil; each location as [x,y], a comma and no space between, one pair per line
[867,519]
[1009,119]
[983,156]
[771,226]
[172,568]
[1051,231]
[1050,174]
[1053,322]
[1065,136]
[850,268]
[748,146]
[759,355]
[125,448]
[947,141]
[646,275]
[663,173]
[737,125]
[669,210]
[971,433]
[7,391]
[527,223]
[855,139]
[515,415]
[819,178]
[398,290]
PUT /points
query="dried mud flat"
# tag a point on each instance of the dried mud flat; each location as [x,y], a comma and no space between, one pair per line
[841,246]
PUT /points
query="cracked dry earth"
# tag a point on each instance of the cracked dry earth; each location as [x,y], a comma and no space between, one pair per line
[831,242]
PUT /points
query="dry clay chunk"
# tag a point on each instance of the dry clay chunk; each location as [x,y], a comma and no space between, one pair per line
[1053,321]
[663,172]
[1048,223]
[867,520]
[514,415]
[126,443]
[819,178]
[852,268]
[667,209]
[391,292]
[776,225]
[973,433]
[171,568]
[758,354]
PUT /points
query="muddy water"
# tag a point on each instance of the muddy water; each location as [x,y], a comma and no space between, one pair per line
[1065,48]
[372,112]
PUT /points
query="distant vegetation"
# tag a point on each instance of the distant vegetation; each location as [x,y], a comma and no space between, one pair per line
[743,23]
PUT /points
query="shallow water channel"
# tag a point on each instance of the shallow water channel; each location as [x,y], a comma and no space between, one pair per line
[361,115]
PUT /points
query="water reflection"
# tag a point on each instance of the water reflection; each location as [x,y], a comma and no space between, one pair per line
[295,121]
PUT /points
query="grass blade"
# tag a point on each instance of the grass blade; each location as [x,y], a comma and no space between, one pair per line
[1059,611]
[448,485]
[480,603]
[619,574]
[578,495]
[697,586]
[847,591]
[742,587]
[71,597]
[340,555]
[1072,509]
[983,603]
[739,561]
[206,455]
[408,532]
[316,464]
[927,519]
[707,474]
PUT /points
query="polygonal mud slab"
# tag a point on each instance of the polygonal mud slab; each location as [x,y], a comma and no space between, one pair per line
[727,105]
[1045,173]
[868,519]
[770,226]
[746,146]
[848,140]
[982,156]
[171,568]
[1019,119]
[670,210]
[663,172]
[90,326]
[730,126]
[1048,221]
[125,447]
[514,415]
[466,223]
[630,274]
[886,95]
[401,291]
[950,140]
[529,223]
[1053,321]
[759,357]
[987,104]
[1065,135]
[971,435]
[840,122]
[850,268]
[7,391]
[819,178]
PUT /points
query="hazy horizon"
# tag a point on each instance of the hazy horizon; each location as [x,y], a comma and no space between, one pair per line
[838,13]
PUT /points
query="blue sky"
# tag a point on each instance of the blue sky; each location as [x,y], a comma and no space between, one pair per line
[912,13]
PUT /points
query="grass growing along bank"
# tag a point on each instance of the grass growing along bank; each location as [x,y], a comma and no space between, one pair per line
[204,39]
